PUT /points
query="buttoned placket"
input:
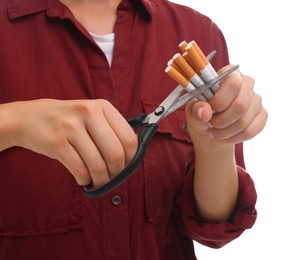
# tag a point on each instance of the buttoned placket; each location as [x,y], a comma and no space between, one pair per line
[116,206]
[116,219]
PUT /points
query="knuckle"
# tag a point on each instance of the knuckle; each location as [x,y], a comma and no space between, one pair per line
[234,84]
[265,114]
[98,167]
[70,126]
[76,167]
[258,98]
[243,123]
[104,102]
[248,134]
[81,175]
[91,108]
[62,124]
[58,143]
[131,147]
[250,80]
[83,108]
[99,173]
[116,160]
[117,155]
[240,106]
[131,141]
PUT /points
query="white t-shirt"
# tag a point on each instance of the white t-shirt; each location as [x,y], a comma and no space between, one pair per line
[106,43]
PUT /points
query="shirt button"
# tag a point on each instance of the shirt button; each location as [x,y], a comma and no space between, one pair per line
[116,200]
[185,128]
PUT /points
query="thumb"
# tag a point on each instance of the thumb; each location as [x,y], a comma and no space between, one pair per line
[198,115]
[198,112]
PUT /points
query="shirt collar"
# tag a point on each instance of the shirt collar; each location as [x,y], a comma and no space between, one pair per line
[149,5]
[19,8]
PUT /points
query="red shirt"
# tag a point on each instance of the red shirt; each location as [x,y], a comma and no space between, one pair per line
[46,53]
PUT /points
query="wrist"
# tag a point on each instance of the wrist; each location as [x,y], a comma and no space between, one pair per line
[214,151]
[8,126]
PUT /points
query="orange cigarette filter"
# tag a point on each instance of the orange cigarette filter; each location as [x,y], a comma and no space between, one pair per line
[183,46]
[179,78]
[183,64]
[198,61]
[190,61]
[178,68]
[199,51]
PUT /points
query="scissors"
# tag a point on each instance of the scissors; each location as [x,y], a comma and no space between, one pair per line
[149,125]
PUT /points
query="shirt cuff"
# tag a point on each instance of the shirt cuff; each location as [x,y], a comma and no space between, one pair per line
[219,234]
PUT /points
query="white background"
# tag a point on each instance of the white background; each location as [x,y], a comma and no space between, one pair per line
[258,35]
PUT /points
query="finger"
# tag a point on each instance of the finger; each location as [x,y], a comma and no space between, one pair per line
[109,146]
[242,123]
[237,108]
[228,90]
[91,156]
[253,129]
[198,115]
[71,159]
[123,131]
[203,112]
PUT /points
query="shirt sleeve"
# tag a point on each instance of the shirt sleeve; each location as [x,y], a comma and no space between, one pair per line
[219,234]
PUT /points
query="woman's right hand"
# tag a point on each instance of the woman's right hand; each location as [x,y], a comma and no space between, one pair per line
[89,137]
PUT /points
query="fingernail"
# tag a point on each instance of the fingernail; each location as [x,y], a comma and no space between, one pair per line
[210,135]
[199,112]
[209,125]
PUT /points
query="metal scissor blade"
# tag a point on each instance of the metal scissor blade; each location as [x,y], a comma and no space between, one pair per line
[159,112]
[171,99]
[194,93]
[211,55]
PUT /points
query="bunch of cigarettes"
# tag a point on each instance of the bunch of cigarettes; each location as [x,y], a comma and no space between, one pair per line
[191,69]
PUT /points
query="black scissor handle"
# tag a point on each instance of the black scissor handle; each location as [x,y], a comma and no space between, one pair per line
[137,121]
[144,137]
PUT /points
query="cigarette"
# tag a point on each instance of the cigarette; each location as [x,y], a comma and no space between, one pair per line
[192,75]
[192,69]
[183,64]
[202,63]
[179,78]
[183,45]
[178,68]
[204,58]
[190,61]
[197,60]
[199,51]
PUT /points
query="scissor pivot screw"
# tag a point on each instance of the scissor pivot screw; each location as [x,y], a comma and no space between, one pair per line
[159,110]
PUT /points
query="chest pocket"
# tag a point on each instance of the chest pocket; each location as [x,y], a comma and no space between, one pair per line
[34,196]
[166,162]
